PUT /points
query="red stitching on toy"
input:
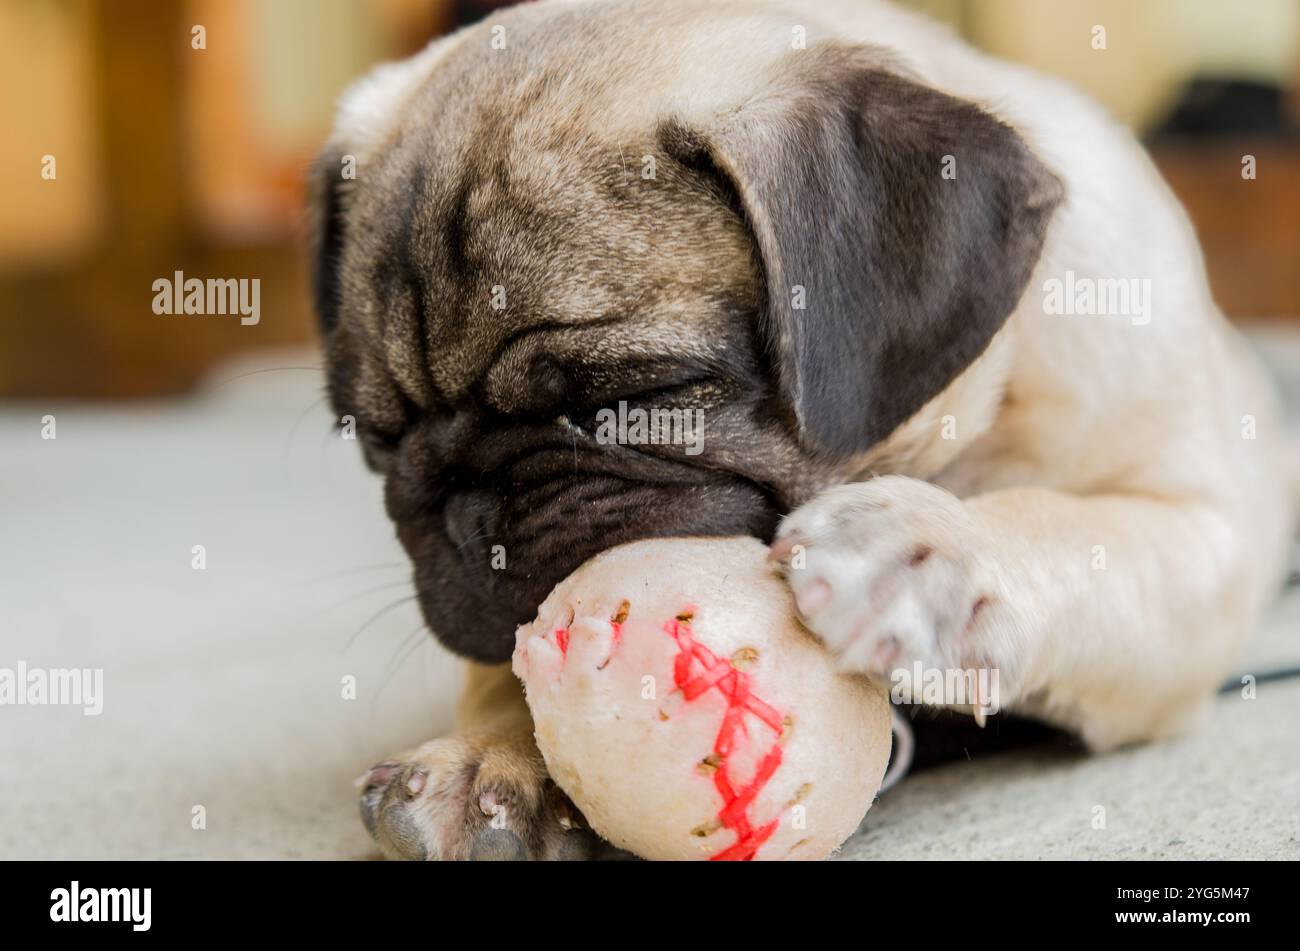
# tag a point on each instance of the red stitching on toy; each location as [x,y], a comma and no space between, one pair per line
[562,640]
[735,687]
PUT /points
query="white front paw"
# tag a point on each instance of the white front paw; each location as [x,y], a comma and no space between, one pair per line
[889,573]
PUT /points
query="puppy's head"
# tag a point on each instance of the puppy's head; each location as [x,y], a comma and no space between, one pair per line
[513,241]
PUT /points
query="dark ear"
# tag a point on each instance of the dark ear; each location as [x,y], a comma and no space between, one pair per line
[326,196]
[885,277]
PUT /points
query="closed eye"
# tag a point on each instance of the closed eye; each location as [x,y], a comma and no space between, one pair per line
[666,396]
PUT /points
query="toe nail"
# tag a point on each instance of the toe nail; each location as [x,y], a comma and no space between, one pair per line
[782,547]
[376,775]
[884,656]
[813,598]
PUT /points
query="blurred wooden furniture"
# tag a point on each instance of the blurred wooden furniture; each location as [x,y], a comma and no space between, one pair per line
[1249,229]
[83,326]
[79,321]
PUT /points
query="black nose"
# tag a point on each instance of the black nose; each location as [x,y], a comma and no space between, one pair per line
[471,519]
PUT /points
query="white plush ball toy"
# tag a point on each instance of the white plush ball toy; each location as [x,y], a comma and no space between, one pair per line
[689,715]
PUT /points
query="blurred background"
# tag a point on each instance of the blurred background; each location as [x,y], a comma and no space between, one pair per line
[170,157]
[178,510]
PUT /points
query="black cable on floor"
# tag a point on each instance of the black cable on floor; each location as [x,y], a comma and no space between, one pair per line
[1281,673]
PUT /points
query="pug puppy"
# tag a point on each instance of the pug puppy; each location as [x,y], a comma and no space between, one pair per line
[846,238]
